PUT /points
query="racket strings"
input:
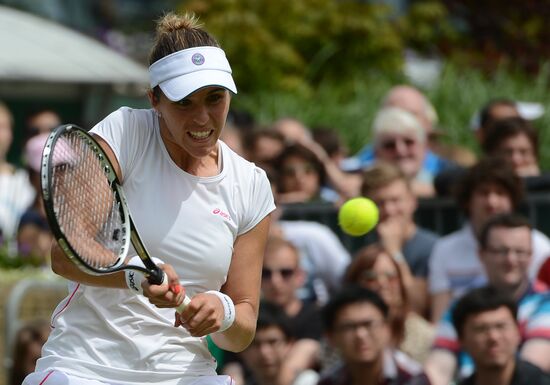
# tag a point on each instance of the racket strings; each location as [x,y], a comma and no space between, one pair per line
[86,207]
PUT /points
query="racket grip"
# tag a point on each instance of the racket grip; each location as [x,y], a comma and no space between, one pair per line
[183,305]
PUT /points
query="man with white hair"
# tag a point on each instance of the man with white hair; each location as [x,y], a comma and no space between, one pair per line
[400,139]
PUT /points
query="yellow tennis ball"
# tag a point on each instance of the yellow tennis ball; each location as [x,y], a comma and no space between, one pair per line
[358,216]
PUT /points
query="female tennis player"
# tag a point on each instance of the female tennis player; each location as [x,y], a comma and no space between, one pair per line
[199,207]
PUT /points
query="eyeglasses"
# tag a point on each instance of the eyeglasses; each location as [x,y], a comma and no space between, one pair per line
[285,273]
[499,327]
[391,144]
[351,327]
[503,252]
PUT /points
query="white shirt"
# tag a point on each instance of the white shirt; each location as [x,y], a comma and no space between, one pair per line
[189,222]
[455,265]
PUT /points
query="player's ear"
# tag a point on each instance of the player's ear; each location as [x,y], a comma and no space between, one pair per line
[153,97]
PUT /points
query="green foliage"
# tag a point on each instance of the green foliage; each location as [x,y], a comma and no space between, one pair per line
[291,46]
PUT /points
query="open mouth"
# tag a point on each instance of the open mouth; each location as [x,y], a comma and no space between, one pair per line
[200,135]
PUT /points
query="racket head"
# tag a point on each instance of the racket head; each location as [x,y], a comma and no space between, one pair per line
[83,200]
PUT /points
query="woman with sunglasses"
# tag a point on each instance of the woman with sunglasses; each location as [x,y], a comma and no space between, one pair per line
[374,268]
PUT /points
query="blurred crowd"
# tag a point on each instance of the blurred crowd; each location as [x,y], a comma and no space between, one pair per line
[412,306]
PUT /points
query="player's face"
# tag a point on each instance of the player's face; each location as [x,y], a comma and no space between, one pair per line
[507,256]
[281,275]
[491,337]
[487,200]
[193,124]
[395,201]
[360,333]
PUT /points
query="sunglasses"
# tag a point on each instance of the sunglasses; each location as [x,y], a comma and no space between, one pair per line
[391,144]
[285,273]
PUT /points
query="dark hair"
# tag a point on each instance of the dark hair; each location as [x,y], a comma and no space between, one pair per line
[507,220]
[328,139]
[349,295]
[272,315]
[364,260]
[488,170]
[502,129]
[300,151]
[33,333]
[485,115]
[480,300]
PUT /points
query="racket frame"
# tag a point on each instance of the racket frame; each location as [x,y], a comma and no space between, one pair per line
[153,273]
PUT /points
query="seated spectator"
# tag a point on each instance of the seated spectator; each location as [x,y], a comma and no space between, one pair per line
[357,325]
[493,111]
[293,130]
[438,156]
[323,257]
[391,190]
[506,252]
[282,276]
[27,348]
[486,324]
[16,192]
[263,147]
[399,139]
[373,268]
[331,142]
[41,121]
[34,237]
[302,177]
[264,357]
[517,141]
[487,189]
[233,137]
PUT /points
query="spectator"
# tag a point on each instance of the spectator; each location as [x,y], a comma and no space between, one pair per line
[302,177]
[516,140]
[263,147]
[374,268]
[413,101]
[282,276]
[34,237]
[487,189]
[506,252]
[493,111]
[399,139]
[233,137]
[293,130]
[27,349]
[392,192]
[332,143]
[41,121]
[486,323]
[357,325]
[264,357]
[16,192]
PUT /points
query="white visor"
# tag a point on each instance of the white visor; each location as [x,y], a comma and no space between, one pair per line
[184,72]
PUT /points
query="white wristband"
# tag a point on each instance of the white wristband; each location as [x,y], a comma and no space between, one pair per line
[134,279]
[228,309]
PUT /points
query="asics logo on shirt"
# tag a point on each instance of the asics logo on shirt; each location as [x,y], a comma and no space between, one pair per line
[222,214]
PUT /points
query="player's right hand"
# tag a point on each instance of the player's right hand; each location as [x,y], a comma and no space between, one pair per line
[167,295]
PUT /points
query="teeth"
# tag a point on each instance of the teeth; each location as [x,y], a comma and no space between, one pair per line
[199,134]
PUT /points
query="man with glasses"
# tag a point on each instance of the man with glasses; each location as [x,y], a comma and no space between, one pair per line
[356,324]
[282,276]
[486,323]
[505,250]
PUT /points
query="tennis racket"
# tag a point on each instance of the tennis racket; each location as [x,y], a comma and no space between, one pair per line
[86,207]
